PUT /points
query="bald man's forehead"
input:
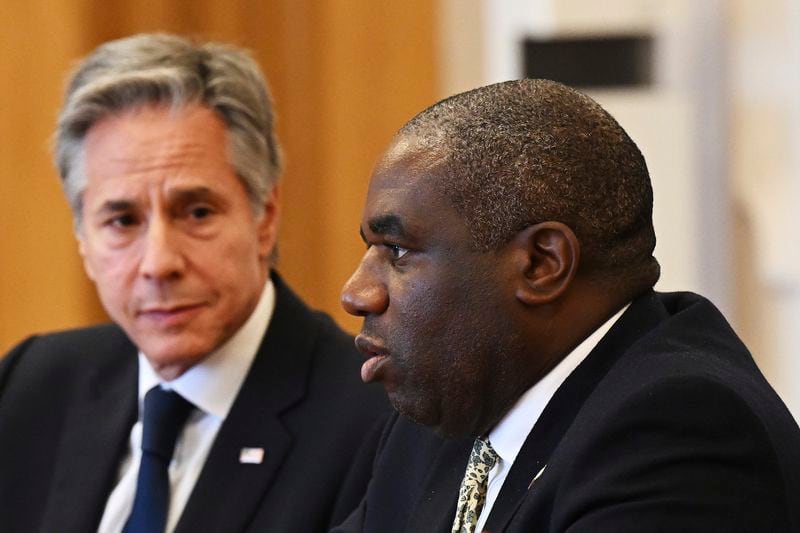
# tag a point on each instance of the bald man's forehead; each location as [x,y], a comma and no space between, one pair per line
[417,152]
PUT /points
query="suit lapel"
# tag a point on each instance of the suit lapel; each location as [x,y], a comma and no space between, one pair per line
[643,315]
[228,489]
[97,426]
[436,508]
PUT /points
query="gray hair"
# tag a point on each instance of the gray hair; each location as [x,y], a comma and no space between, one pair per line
[170,70]
[522,152]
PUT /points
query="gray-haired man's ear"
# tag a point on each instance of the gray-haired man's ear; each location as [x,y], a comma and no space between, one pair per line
[87,267]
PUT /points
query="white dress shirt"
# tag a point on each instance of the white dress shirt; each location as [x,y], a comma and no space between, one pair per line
[211,386]
[510,433]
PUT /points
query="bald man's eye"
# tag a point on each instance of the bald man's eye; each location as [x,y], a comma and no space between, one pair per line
[396,252]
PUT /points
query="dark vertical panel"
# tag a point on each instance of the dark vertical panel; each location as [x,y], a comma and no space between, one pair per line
[610,61]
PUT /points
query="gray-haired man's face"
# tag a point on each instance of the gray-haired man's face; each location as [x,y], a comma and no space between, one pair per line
[169,235]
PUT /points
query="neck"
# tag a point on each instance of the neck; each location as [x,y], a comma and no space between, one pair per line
[171,371]
[583,309]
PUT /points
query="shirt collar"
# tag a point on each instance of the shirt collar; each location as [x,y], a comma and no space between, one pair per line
[510,433]
[213,383]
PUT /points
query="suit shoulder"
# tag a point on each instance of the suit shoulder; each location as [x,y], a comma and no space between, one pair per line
[691,339]
[297,325]
[692,376]
[58,355]
[337,357]
[324,353]
[71,342]
[713,369]
[333,338]
[693,436]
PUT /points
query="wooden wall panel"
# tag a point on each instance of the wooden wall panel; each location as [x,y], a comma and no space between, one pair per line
[42,285]
[377,70]
[345,75]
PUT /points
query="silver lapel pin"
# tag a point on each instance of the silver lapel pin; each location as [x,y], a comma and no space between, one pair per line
[536,477]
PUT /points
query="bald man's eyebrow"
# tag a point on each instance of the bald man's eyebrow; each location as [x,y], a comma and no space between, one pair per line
[388,225]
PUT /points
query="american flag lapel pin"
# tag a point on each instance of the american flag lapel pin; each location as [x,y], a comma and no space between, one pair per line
[251,456]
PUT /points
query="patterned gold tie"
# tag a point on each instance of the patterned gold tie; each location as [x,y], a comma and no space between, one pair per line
[472,494]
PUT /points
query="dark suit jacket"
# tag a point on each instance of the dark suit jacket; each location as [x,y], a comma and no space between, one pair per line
[68,401]
[667,425]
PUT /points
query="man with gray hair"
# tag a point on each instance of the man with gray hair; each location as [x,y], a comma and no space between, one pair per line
[217,401]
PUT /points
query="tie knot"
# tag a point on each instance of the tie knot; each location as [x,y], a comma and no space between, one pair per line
[481,460]
[165,413]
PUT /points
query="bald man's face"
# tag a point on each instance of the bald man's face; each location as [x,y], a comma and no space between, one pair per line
[437,329]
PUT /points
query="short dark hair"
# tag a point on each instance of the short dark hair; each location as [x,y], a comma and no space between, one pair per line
[522,152]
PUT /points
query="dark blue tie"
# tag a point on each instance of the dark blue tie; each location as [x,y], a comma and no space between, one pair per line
[165,413]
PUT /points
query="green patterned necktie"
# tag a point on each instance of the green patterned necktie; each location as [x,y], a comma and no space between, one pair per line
[472,494]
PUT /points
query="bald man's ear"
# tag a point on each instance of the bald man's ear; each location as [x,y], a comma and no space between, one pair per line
[547,257]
